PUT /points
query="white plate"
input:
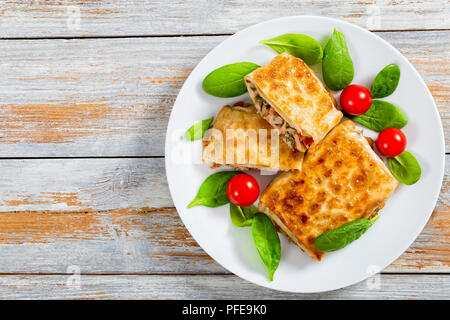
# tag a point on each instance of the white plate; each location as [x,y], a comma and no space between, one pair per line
[405,213]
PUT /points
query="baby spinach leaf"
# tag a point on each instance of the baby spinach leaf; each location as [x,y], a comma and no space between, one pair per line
[213,191]
[386,81]
[405,168]
[197,130]
[338,238]
[267,242]
[228,81]
[337,65]
[382,115]
[242,216]
[298,45]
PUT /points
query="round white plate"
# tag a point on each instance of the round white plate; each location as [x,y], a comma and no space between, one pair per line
[405,213]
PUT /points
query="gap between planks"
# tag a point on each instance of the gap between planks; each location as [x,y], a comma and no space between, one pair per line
[197,274]
[93,157]
[83,157]
[179,35]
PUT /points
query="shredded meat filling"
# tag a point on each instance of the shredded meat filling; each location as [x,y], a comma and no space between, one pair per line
[294,139]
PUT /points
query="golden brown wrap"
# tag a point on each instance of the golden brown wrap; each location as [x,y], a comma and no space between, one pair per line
[342,180]
[241,139]
[287,94]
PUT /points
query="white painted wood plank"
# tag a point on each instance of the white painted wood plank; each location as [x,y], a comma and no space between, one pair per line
[64,18]
[82,185]
[115,216]
[113,97]
[117,242]
[192,287]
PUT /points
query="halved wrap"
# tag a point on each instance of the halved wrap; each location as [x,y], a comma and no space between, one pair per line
[342,180]
[240,138]
[287,94]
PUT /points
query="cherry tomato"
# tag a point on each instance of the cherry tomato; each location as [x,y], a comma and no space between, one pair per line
[242,190]
[391,142]
[355,100]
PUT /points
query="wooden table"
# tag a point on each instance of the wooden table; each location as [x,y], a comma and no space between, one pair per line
[84,108]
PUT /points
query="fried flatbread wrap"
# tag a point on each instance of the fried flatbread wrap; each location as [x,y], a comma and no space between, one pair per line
[288,94]
[342,180]
[241,139]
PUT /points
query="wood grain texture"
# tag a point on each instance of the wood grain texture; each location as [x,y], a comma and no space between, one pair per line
[113,97]
[386,287]
[86,185]
[112,218]
[116,216]
[69,18]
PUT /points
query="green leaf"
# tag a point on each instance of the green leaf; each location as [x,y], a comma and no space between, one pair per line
[386,81]
[242,216]
[267,242]
[213,191]
[337,65]
[298,45]
[382,115]
[228,81]
[340,237]
[197,130]
[405,168]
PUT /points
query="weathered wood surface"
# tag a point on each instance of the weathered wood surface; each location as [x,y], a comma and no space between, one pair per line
[113,97]
[116,216]
[85,185]
[386,287]
[113,218]
[59,18]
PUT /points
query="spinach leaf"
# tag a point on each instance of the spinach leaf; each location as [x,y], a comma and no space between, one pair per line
[242,216]
[228,81]
[197,130]
[405,168]
[338,238]
[298,45]
[213,191]
[386,81]
[267,242]
[382,115]
[337,65]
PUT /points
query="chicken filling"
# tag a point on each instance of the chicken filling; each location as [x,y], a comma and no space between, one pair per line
[294,139]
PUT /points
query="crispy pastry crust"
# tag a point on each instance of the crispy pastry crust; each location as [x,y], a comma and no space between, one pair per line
[296,94]
[342,180]
[252,153]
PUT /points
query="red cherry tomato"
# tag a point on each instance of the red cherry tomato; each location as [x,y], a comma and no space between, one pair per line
[242,190]
[355,100]
[391,142]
